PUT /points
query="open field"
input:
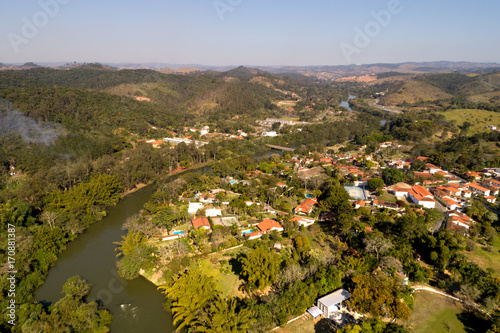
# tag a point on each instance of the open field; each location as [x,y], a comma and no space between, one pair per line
[388,197]
[478,118]
[228,281]
[412,91]
[485,259]
[436,314]
[286,103]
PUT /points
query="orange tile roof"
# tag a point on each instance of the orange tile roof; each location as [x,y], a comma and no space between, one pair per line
[421,191]
[477,187]
[268,224]
[306,206]
[201,221]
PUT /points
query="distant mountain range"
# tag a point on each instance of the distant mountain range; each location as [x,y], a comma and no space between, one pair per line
[320,72]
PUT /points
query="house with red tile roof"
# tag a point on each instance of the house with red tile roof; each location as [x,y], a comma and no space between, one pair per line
[201,222]
[450,203]
[458,222]
[359,204]
[493,189]
[385,204]
[307,206]
[432,168]
[476,188]
[268,225]
[475,175]
[400,189]
[449,190]
[302,221]
[493,182]
[490,199]
[254,235]
[421,196]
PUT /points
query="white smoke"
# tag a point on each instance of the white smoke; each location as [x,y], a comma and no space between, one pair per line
[14,122]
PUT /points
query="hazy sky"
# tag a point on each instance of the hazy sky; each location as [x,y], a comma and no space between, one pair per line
[249,32]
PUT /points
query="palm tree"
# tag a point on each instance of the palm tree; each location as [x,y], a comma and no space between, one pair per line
[190,293]
[129,243]
[223,316]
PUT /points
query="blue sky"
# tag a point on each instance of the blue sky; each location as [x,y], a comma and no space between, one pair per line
[249,32]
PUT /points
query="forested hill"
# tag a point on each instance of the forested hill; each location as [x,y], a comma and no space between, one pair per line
[96,96]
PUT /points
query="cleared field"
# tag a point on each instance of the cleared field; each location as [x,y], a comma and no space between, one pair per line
[486,259]
[478,118]
[412,91]
[388,197]
[436,314]
[286,103]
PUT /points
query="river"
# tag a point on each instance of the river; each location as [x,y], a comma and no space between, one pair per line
[346,103]
[136,305]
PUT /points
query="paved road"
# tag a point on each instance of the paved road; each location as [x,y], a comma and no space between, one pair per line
[383,107]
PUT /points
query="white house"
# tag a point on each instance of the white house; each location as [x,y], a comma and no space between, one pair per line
[333,302]
[302,221]
[476,188]
[194,207]
[212,212]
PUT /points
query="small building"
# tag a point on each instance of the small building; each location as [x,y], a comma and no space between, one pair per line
[307,206]
[359,203]
[213,212]
[385,204]
[201,222]
[333,302]
[268,225]
[490,199]
[194,207]
[302,221]
[254,235]
[450,203]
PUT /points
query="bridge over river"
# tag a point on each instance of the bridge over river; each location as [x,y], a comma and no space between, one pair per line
[281,148]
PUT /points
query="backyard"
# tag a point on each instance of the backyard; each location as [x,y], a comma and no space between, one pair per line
[435,313]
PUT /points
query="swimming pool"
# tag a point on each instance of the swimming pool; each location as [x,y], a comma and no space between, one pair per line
[309,196]
[246,231]
[355,192]
[178,232]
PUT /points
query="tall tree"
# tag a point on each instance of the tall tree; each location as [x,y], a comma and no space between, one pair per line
[260,267]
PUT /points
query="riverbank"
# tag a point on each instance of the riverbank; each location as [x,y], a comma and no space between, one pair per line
[135,189]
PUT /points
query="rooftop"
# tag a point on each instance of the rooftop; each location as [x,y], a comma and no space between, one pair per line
[334,298]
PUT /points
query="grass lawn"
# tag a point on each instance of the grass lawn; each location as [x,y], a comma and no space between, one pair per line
[306,325]
[228,282]
[435,313]
[485,259]
[478,118]
[387,197]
